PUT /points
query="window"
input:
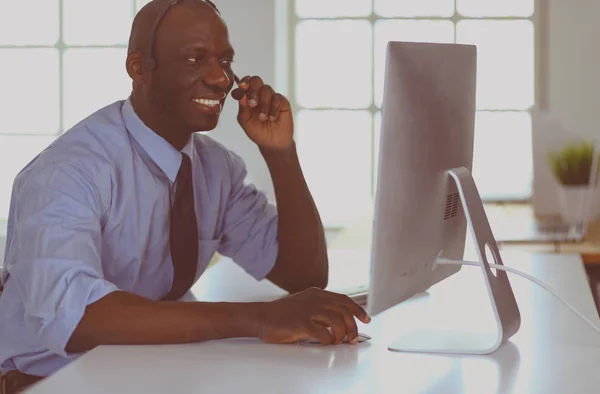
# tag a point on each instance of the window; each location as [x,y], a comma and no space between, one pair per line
[338,60]
[58,65]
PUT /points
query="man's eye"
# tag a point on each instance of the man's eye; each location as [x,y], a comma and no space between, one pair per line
[226,63]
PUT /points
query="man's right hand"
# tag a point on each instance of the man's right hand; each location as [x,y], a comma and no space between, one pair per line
[309,314]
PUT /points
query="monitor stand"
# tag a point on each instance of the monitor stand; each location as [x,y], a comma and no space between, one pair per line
[502,299]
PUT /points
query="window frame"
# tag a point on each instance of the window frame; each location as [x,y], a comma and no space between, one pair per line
[286,77]
[62,47]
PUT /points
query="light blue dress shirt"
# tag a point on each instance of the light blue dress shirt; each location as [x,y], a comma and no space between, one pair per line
[90,215]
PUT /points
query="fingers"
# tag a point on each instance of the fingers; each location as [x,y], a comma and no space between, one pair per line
[253,92]
[266,94]
[259,100]
[244,82]
[277,104]
[320,332]
[335,321]
[324,316]
[240,91]
[350,327]
[356,309]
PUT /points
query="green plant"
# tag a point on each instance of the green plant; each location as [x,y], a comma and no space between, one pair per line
[573,163]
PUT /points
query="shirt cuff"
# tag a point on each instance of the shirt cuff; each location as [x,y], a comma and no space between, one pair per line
[81,292]
[261,269]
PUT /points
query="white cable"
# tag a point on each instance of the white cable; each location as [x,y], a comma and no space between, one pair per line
[526,276]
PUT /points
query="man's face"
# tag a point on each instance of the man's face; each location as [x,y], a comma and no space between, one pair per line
[193,72]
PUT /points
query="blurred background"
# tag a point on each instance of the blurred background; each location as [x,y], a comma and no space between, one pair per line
[61,60]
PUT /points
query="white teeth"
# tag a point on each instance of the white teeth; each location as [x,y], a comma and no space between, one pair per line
[207,102]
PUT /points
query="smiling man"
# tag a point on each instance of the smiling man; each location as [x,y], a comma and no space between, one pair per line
[116,220]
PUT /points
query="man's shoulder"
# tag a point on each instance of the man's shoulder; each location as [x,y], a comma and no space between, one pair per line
[91,145]
[102,132]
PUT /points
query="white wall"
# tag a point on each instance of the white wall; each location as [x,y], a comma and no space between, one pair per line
[572,81]
[574,63]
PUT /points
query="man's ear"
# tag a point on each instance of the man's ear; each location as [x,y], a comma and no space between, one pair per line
[135,68]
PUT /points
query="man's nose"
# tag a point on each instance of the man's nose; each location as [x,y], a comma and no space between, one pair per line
[218,77]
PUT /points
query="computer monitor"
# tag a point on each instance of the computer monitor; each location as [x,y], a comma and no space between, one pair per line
[425,196]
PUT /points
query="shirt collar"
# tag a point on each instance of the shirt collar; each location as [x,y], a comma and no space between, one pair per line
[160,151]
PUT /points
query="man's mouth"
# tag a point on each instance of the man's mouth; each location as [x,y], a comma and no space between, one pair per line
[209,105]
[207,102]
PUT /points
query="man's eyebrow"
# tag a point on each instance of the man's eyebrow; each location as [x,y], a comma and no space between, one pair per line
[201,49]
[228,52]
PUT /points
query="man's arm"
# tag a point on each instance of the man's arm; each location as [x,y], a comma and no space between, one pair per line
[302,259]
[266,117]
[127,319]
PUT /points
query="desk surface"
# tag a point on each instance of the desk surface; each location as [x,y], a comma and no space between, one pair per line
[554,352]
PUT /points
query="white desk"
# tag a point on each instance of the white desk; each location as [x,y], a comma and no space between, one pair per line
[554,352]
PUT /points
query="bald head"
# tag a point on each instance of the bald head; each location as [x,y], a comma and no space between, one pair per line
[146,21]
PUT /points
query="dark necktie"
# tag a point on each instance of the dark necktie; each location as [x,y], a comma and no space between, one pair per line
[184,233]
